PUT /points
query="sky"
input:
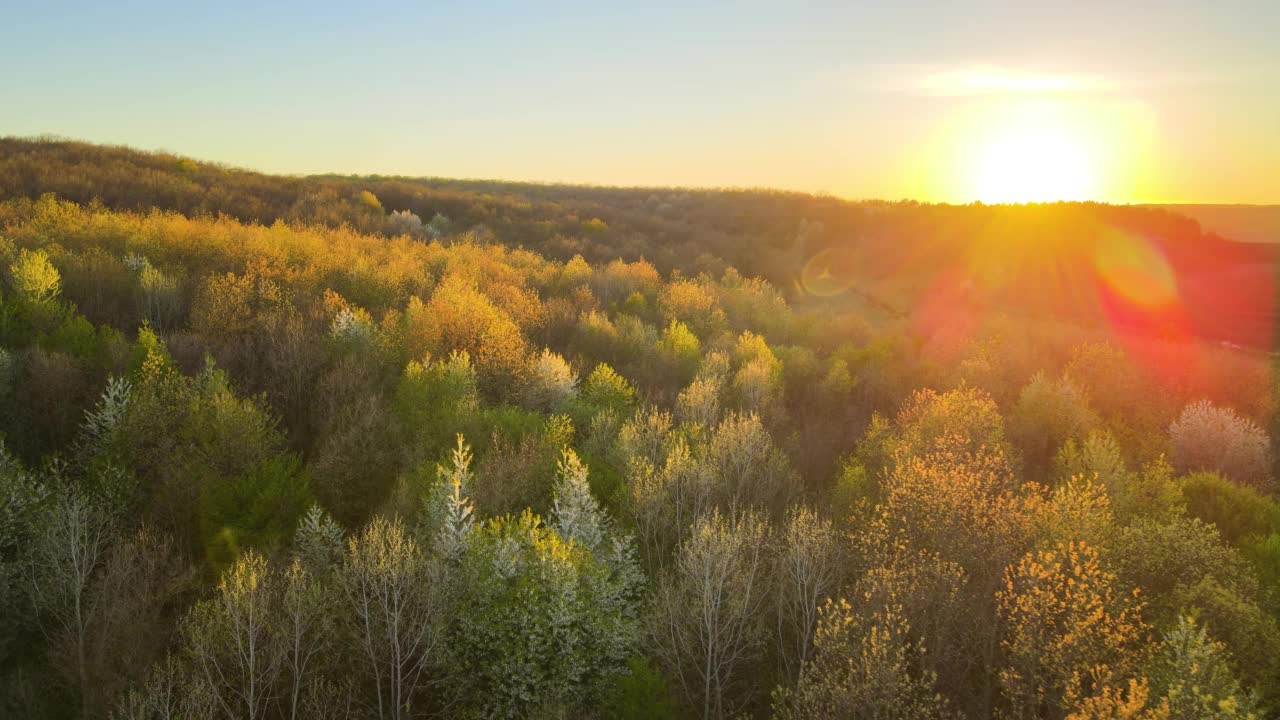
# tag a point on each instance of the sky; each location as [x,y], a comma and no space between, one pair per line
[1124,102]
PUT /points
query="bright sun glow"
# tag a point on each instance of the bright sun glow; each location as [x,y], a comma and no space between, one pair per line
[1038,149]
[1034,164]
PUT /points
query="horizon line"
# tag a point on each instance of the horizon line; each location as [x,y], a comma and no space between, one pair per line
[53,138]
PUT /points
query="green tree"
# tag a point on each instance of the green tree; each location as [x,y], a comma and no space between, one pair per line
[1239,512]
[318,542]
[1047,415]
[393,614]
[68,554]
[965,419]
[680,350]
[259,508]
[604,390]
[305,627]
[534,630]
[641,693]
[232,640]
[439,226]
[810,567]
[863,667]
[709,624]
[666,500]
[746,468]
[1190,670]
[35,279]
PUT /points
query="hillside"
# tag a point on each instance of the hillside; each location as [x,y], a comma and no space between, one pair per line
[1057,261]
[441,448]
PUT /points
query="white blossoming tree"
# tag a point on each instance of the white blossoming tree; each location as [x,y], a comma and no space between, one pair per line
[551,382]
[1207,437]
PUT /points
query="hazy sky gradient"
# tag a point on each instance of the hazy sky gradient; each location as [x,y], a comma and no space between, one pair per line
[860,100]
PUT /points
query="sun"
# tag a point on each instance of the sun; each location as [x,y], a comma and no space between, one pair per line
[1037,149]
[1034,163]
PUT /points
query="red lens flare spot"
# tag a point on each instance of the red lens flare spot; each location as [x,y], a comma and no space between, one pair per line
[1135,271]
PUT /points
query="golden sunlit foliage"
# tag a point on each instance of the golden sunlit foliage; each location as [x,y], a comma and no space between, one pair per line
[1070,634]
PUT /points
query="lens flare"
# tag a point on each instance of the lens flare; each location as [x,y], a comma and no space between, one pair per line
[828,273]
[1140,294]
[1135,270]
[948,316]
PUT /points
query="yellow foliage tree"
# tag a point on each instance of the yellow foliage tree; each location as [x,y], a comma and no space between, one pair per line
[1069,634]
[463,318]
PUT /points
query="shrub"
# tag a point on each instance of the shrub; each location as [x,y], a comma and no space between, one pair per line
[1239,512]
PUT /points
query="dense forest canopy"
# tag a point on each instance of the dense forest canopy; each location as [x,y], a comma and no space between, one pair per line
[1046,259]
[392,447]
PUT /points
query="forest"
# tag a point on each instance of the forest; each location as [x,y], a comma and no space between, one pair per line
[374,447]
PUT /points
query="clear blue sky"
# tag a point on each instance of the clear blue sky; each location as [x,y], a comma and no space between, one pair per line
[856,99]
